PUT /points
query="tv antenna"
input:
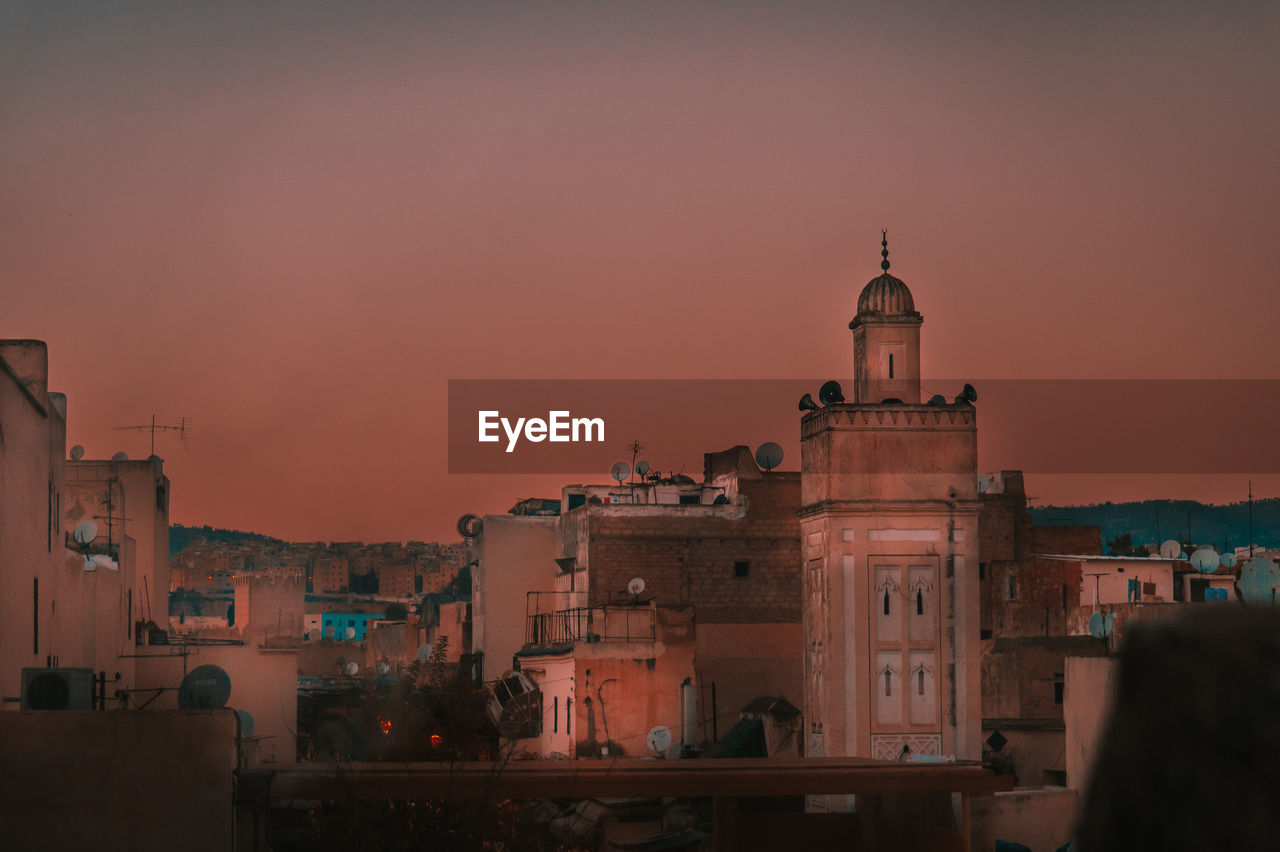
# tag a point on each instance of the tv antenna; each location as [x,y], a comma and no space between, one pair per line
[635,446]
[182,427]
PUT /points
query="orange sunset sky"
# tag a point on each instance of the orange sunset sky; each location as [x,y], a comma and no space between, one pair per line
[293,223]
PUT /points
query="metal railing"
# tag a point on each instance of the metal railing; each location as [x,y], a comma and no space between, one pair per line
[592,624]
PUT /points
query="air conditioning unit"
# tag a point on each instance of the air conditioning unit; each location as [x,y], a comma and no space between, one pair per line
[57,689]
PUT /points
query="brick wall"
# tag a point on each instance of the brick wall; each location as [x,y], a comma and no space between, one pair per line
[687,555]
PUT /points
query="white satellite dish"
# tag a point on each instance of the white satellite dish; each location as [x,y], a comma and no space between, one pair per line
[642,467]
[424,652]
[659,739]
[353,668]
[1229,560]
[121,456]
[85,532]
[636,586]
[1171,549]
[769,455]
[620,471]
[77,452]
[1205,560]
[351,633]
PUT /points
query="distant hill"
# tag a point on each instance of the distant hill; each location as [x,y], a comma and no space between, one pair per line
[1153,521]
[180,536]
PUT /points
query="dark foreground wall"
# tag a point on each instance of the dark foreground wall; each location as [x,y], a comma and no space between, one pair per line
[117,780]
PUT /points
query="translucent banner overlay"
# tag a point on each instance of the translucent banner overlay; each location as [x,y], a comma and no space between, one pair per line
[1059,426]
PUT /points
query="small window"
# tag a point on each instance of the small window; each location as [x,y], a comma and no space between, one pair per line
[741,568]
[555,715]
[920,603]
[920,680]
[891,365]
[1058,688]
[984,634]
[35,615]
[982,570]
[888,675]
[689,500]
[568,716]
[576,500]
[886,607]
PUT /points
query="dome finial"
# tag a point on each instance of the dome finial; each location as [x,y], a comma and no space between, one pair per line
[884,249]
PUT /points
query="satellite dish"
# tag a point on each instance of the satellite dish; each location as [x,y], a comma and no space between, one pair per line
[246,723]
[937,399]
[205,687]
[424,652]
[830,393]
[352,668]
[807,403]
[620,471]
[968,394]
[469,526]
[1171,549]
[1259,578]
[1228,560]
[659,739]
[769,455]
[1205,560]
[121,456]
[1100,624]
[77,452]
[636,586]
[350,634]
[642,467]
[85,532]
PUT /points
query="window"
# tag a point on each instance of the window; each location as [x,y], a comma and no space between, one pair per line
[568,715]
[689,500]
[920,605]
[1058,688]
[741,568]
[576,500]
[920,679]
[35,615]
[555,715]
[891,365]
[1011,587]
[888,675]
[886,609]
[982,570]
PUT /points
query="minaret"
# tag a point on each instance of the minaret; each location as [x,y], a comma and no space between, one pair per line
[889,526]
[886,339]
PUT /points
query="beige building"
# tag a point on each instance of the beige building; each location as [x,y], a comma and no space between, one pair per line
[889,531]
[32,558]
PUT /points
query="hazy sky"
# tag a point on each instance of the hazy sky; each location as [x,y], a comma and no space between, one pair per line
[294,222]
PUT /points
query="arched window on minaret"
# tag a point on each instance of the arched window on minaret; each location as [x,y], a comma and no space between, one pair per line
[920,679]
[888,677]
[886,602]
[919,601]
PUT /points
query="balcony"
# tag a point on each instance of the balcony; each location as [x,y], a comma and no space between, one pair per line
[566,623]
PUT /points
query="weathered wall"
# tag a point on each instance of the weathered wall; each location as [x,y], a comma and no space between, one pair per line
[1039,819]
[696,554]
[264,681]
[32,452]
[517,555]
[622,691]
[1090,683]
[747,661]
[1073,539]
[118,780]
